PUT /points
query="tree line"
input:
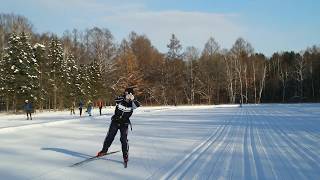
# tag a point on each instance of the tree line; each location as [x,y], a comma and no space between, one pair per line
[52,72]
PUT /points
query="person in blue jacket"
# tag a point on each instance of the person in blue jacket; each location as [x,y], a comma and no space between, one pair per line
[28,109]
[125,105]
[89,107]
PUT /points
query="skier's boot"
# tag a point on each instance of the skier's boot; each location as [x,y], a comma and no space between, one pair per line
[102,153]
[125,160]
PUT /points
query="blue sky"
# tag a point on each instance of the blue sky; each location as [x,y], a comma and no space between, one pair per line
[270,25]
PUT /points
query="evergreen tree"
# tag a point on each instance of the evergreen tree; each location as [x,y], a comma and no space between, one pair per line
[2,80]
[40,56]
[96,80]
[10,59]
[32,69]
[71,79]
[78,84]
[57,67]
[21,69]
[84,83]
[173,71]
[174,48]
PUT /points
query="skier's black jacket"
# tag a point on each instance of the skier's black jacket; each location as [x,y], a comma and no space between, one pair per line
[124,110]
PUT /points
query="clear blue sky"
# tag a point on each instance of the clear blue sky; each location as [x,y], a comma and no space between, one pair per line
[270,25]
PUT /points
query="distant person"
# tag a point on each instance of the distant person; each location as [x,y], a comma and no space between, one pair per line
[125,105]
[80,107]
[73,106]
[28,109]
[89,107]
[100,105]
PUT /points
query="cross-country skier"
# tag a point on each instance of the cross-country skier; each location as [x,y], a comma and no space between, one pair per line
[89,107]
[73,105]
[125,105]
[100,105]
[28,109]
[80,107]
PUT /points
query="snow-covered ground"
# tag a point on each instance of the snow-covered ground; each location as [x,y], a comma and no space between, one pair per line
[273,141]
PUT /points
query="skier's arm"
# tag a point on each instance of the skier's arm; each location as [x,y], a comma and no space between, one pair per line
[118,99]
[135,104]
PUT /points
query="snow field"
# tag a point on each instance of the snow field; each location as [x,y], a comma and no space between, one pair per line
[268,141]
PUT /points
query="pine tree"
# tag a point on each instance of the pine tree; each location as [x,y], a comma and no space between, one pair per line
[40,56]
[78,84]
[57,66]
[32,72]
[171,72]
[83,82]
[21,69]
[71,79]
[2,78]
[96,81]
[10,59]
[174,48]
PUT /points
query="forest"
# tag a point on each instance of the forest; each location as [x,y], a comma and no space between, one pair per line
[53,71]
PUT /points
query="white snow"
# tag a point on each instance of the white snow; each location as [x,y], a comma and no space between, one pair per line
[269,141]
[39,45]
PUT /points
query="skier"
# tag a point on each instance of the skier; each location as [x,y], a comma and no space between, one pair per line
[120,120]
[89,107]
[100,105]
[28,109]
[73,105]
[80,107]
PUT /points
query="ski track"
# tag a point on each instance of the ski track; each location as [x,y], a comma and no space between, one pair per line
[229,150]
[214,149]
[285,151]
[266,170]
[191,157]
[272,147]
[299,153]
[193,162]
[180,170]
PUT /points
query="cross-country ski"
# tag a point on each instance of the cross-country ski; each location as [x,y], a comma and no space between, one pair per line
[92,158]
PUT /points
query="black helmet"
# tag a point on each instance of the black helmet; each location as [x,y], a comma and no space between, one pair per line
[129,90]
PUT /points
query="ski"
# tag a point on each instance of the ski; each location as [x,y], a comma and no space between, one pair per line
[91,159]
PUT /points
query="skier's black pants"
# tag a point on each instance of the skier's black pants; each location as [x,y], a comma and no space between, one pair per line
[29,113]
[80,109]
[113,129]
[100,110]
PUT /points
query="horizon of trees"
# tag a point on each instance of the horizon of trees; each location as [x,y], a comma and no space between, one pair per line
[52,71]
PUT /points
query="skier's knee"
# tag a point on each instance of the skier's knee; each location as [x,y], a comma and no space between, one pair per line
[123,140]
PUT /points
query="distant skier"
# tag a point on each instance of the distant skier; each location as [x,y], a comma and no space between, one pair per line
[100,105]
[125,105]
[80,107]
[73,105]
[28,109]
[89,107]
